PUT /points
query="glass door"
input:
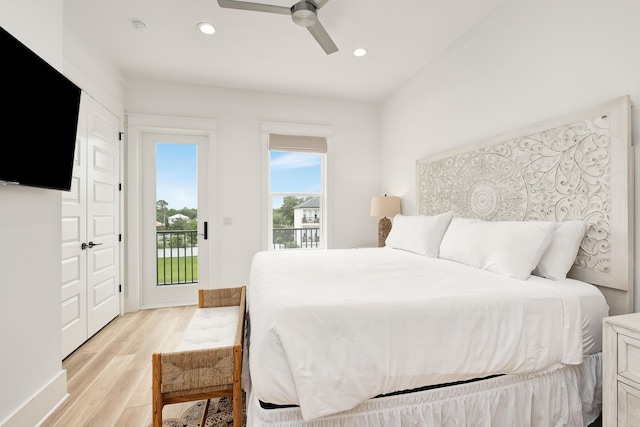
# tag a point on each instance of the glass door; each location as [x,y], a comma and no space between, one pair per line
[175,218]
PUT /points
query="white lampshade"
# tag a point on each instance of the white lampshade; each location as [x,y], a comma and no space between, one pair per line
[385,206]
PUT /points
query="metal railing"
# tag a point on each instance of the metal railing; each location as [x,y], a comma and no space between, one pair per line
[177,257]
[291,238]
[177,251]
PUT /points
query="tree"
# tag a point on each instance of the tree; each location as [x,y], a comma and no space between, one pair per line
[192,224]
[278,219]
[284,214]
[161,205]
[161,211]
[179,224]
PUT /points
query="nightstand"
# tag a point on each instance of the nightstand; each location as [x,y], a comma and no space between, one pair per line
[621,371]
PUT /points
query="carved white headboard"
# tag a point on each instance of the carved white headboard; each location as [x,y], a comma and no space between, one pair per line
[575,167]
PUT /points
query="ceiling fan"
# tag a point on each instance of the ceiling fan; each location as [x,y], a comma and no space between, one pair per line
[303,13]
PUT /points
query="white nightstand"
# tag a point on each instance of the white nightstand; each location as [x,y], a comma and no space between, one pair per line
[621,371]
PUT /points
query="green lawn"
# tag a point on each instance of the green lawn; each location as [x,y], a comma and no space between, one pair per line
[177,270]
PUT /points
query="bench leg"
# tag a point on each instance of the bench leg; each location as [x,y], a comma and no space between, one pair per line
[237,386]
[157,413]
[203,420]
[237,409]
[156,365]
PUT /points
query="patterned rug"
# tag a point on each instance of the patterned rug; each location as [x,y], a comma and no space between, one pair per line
[220,414]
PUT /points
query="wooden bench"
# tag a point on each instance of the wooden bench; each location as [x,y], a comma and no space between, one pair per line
[208,361]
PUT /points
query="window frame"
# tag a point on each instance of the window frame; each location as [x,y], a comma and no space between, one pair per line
[268,128]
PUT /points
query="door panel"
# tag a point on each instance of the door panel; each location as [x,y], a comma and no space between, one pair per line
[74,259]
[90,213]
[103,301]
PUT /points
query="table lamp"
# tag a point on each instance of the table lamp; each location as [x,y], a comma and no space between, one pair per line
[385,207]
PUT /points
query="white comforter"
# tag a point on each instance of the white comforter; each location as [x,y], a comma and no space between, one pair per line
[331,329]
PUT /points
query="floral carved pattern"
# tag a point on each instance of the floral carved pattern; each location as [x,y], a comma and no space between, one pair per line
[559,174]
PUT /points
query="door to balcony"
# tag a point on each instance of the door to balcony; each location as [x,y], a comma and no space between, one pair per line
[175,226]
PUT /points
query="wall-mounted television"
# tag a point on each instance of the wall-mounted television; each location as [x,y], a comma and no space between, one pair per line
[39,119]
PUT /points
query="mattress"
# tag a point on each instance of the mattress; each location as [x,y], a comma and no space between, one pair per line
[332,329]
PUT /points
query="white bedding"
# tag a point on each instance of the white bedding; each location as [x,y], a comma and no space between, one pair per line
[563,395]
[332,329]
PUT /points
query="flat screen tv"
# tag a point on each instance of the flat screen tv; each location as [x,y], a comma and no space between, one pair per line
[39,119]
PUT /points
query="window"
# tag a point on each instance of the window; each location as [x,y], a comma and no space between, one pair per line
[296,192]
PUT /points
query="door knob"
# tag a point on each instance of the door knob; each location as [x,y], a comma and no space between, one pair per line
[91,244]
[206,231]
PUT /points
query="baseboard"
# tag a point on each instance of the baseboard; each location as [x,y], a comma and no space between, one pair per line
[37,408]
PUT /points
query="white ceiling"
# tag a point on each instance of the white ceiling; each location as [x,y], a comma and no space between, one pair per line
[264,51]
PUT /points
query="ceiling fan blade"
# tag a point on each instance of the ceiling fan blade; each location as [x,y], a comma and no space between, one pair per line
[319,3]
[322,37]
[259,7]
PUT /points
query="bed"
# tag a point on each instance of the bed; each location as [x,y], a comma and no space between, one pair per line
[472,314]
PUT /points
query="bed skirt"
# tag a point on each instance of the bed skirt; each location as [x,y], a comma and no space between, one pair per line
[564,395]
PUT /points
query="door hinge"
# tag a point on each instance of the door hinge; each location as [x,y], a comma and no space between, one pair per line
[120,186]
[119,237]
[119,288]
[120,135]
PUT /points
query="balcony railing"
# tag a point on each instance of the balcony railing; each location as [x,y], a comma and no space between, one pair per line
[177,257]
[291,238]
[177,251]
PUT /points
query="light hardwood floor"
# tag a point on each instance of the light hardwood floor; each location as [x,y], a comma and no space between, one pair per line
[109,376]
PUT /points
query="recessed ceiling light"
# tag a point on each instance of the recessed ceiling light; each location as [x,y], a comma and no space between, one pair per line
[138,24]
[360,52]
[206,28]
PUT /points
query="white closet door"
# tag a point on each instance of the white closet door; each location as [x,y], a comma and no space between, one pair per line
[103,225]
[74,233]
[90,216]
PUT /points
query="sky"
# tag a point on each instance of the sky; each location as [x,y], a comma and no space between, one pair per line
[293,172]
[176,174]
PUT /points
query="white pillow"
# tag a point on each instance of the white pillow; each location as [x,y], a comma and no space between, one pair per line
[561,253]
[510,248]
[418,233]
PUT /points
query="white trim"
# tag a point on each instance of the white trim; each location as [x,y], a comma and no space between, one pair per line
[296,129]
[137,125]
[122,200]
[41,405]
[167,123]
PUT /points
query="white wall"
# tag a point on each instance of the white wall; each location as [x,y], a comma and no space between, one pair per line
[31,378]
[32,381]
[527,62]
[93,73]
[353,161]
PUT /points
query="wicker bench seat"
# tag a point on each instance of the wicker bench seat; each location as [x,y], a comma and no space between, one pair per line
[208,361]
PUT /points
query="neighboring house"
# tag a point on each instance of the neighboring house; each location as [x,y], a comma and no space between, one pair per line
[306,221]
[173,218]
